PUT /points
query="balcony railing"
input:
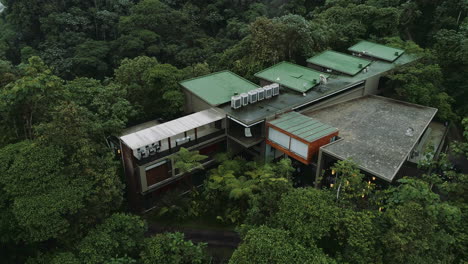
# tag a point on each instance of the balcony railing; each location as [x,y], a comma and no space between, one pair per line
[174,149]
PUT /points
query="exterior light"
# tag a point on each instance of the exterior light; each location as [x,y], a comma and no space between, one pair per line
[331,185]
[333,172]
[362,195]
[373,178]
[368,182]
[118,151]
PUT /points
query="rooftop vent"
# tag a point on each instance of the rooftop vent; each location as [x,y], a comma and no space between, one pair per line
[360,65]
[396,53]
[410,132]
[323,79]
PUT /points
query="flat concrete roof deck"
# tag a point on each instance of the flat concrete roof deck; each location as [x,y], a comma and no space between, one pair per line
[373,131]
[290,99]
[339,62]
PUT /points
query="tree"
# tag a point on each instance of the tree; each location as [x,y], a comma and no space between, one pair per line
[149,83]
[186,161]
[172,248]
[421,82]
[268,245]
[356,237]
[41,199]
[350,186]
[307,213]
[118,236]
[24,102]
[417,226]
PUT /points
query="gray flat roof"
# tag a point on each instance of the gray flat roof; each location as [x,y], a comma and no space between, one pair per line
[288,99]
[373,131]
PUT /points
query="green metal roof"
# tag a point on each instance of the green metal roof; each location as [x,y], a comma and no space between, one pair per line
[218,88]
[377,50]
[293,76]
[339,62]
[302,126]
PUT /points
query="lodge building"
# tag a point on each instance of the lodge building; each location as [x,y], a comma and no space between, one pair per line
[315,115]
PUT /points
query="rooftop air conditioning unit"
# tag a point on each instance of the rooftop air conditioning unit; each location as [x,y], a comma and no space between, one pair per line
[253,96]
[142,153]
[268,91]
[153,149]
[329,70]
[245,99]
[261,94]
[236,101]
[275,87]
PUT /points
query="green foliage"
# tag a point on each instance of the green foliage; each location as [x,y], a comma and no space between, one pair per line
[149,83]
[308,214]
[357,237]
[461,148]
[268,245]
[348,23]
[186,161]
[38,195]
[24,102]
[235,183]
[118,236]
[417,226]
[172,248]
[350,186]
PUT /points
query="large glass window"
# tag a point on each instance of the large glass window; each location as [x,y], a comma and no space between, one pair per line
[299,148]
[278,137]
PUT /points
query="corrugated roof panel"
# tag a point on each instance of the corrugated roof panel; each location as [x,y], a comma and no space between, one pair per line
[304,125]
[378,51]
[339,62]
[321,134]
[301,126]
[175,127]
[310,132]
[309,127]
[218,88]
[290,75]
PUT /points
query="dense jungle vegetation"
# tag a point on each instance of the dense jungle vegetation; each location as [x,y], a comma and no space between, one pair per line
[74,72]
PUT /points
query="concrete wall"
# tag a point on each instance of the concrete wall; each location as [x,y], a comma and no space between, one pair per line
[372,85]
[355,93]
[193,103]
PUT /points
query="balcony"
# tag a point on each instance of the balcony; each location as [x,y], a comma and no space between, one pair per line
[238,133]
[203,135]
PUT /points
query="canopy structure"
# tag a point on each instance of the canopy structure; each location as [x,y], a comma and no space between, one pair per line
[375,50]
[339,62]
[218,88]
[175,127]
[290,75]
